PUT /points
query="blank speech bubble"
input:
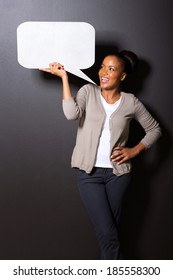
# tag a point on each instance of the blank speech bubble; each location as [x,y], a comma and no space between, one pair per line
[69,43]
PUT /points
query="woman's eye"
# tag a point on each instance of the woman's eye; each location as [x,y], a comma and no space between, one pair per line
[111,69]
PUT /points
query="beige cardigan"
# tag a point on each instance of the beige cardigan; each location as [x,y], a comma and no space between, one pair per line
[87,107]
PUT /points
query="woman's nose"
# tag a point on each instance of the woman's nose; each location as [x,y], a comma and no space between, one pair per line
[105,71]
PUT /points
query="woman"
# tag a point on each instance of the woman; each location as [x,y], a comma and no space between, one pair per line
[100,154]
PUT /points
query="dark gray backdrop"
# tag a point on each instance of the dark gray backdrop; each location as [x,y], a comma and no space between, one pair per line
[41,214]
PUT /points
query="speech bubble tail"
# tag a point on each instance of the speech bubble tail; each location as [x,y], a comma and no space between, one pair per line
[79,73]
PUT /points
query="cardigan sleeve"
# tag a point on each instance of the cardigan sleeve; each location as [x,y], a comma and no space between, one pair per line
[150,125]
[74,107]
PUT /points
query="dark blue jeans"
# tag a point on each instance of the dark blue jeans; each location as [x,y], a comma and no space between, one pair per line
[102,193]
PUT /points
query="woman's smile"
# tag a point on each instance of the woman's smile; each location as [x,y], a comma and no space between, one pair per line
[104,80]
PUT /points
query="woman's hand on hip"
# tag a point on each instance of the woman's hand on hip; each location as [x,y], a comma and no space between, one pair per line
[122,154]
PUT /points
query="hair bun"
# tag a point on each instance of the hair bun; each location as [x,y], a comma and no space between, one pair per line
[131,60]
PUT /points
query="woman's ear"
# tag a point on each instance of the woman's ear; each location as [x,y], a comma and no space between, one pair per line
[123,76]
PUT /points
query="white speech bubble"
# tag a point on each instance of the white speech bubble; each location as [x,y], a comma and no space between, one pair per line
[69,43]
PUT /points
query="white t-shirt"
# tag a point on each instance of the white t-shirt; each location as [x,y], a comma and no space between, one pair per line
[103,152]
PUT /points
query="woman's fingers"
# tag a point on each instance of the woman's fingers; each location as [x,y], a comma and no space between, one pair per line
[121,155]
[55,68]
[45,69]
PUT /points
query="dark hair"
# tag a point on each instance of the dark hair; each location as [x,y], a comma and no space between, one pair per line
[129,59]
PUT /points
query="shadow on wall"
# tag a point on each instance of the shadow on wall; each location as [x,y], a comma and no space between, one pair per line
[145,168]
[143,229]
[133,83]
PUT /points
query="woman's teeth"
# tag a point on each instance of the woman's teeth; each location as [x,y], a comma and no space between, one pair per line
[104,79]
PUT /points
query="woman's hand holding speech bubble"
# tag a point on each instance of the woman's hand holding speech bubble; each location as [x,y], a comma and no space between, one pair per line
[55,68]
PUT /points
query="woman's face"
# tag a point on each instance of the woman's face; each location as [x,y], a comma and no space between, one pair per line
[111,73]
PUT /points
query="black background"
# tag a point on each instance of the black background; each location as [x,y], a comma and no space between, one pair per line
[41,214]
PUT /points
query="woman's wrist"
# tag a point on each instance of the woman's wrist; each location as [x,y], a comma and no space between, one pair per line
[64,77]
[138,149]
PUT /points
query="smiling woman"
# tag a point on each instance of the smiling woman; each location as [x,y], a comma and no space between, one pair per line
[100,155]
[113,71]
[111,74]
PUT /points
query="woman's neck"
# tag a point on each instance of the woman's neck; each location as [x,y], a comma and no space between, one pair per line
[111,96]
